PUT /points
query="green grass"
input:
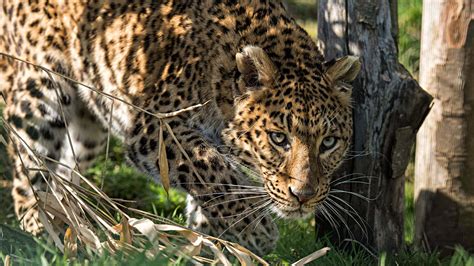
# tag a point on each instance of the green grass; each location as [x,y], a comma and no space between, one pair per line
[7,214]
[120,181]
[409,17]
[306,14]
[298,238]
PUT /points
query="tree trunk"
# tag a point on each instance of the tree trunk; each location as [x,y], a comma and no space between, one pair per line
[444,170]
[389,107]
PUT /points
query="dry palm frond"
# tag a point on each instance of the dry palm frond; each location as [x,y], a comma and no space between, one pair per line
[7,261]
[311,257]
[85,210]
[94,229]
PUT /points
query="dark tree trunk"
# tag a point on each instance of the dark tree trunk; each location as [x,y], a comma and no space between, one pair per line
[444,187]
[389,107]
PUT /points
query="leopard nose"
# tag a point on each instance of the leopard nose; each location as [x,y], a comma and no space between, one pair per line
[303,195]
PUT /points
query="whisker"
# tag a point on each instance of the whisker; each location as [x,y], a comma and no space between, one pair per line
[220,184]
[254,175]
[248,189]
[252,212]
[242,213]
[369,178]
[350,182]
[357,176]
[371,252]
[338,191]
[352,210]
[232,200]
[223,194]
[339,216]
[349,213]
[232,193]
[265,213]
[334,207]
[259,218]
[355,154]
[255,191]
[328,217]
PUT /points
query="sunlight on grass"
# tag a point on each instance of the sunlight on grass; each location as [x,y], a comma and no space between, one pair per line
[124,182]
[311,26]
[409,212]
[306,12]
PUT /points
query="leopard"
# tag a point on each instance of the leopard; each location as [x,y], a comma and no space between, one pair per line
[258,121]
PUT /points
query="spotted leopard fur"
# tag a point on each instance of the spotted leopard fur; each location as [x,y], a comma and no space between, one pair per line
[276,123]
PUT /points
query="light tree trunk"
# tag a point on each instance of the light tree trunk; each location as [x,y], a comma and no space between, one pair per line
[444,170]
[389,107]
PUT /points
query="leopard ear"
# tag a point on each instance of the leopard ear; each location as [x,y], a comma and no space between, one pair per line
[341,72]
[343,69]
[255,67]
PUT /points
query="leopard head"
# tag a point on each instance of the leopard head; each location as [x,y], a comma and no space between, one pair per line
[293,129]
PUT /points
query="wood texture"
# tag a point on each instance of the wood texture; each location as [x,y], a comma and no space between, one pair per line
[389,107]
[444,173]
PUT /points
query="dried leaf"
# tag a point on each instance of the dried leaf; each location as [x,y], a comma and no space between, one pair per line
[48,200]
[163,162]
[217,252]
[125,233]
[193,250]
[145,227]
[246,251]
[7,261]
[110,245]
[311,257]
[117,228]
[70,243]
[3,141]
[193,237]
[89,239]
[42,216]
[243,258]
[196,243]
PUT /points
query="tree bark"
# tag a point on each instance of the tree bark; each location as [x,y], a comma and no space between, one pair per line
[444,170]
[389,107]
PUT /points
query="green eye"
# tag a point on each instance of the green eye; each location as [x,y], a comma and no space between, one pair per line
[328,143]
[279,138]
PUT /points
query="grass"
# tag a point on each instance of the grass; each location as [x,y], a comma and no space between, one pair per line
[306,14]
[409,226]
[409,22]
[120,181]
[298,238]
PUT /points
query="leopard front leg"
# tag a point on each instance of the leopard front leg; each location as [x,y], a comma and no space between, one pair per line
[43,129]
[222,201]
[255,231]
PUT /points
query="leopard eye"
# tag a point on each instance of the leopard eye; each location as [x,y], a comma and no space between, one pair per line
[279,138]
[328,143]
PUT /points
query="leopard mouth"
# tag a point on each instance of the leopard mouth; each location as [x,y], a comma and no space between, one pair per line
[292,213]
[290,210]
